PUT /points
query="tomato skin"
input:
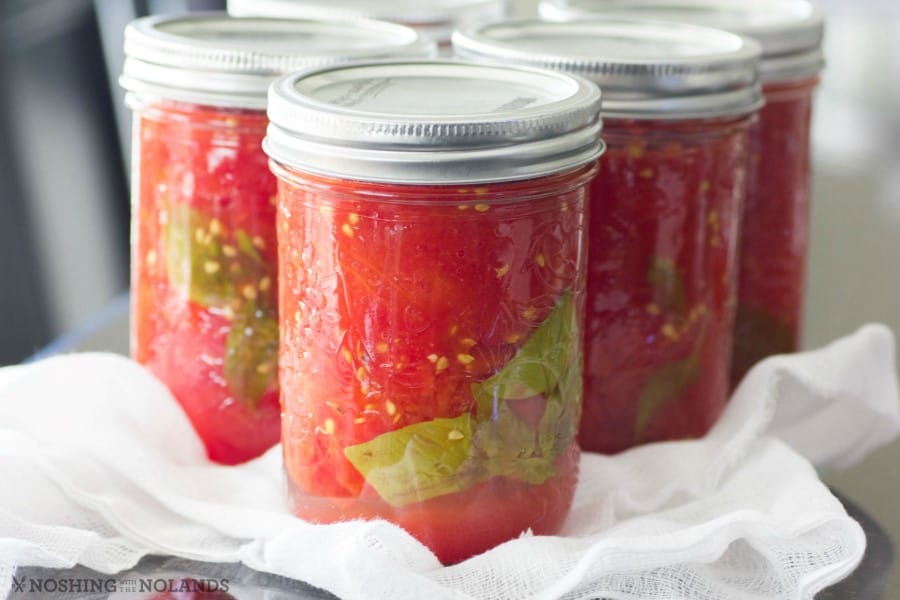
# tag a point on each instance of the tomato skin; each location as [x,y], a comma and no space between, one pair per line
[396,300]
[205,166]
[661,279]
[775,228]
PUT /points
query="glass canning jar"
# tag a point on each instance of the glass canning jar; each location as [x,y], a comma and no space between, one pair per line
[434,19]
[775,230]
[662,267]
[203,244]
[431,246]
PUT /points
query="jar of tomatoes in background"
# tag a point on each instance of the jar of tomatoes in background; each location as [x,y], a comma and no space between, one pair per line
[434,19]
[664,218]
[775,229]
[203,242]
[432,258]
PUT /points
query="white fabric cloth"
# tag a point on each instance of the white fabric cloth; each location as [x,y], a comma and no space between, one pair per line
[99,466]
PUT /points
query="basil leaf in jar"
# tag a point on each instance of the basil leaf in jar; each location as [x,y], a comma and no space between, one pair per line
[539,364]
[508,447]
[420,461]
[443,456]
[222,270]
[548,365]
[245,245]
[559,424]
[668,286]
[195,259]
[216,268]
[251,354]
[666,384]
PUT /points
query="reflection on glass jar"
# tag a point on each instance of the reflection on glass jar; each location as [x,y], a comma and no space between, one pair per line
[204,279]
[432,296]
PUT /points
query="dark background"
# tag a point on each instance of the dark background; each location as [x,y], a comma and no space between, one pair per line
[64,206]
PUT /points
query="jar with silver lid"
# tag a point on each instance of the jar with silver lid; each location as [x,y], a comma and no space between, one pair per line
[775,228]
[434,19]
[432,256]
[678,102]
[203,245]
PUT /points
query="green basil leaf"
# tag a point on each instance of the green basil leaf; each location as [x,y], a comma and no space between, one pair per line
[443,456]
[668,286]
[194,258]
[667,384]
[508,447]
[538,365]
[420,461]
[211,267]
[251,353]
[245,245]
[221,271]
[559,424]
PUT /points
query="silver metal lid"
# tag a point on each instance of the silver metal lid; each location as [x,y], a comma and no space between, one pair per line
[436,19]
[433,122]
[790,31]
[647,70]
[211,58]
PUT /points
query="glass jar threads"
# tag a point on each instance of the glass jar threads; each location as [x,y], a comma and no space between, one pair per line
[662,266]
[775,228]
[204,293]
[431,246]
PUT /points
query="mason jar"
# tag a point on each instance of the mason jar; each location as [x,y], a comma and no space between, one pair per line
[432,257]
[666,202]
[775,230]
[434,19]
[204,279]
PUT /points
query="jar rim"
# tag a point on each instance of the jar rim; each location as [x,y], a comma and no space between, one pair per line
[790,32]
[433,122]
[212,58]
[647,69]
[448,194]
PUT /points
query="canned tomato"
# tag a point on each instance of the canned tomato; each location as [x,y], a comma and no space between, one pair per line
[664,218]
[431,250]
[203,255]
[775,229]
